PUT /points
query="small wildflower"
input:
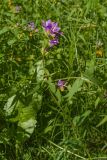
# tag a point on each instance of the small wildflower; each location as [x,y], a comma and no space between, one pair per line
[17,24]
[61,85]
[31,25]
[99,52]
[36,30]
[18,9]
[53,42]
[99,44]
[99,49]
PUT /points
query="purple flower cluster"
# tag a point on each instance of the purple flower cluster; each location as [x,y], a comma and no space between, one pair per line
[53,31]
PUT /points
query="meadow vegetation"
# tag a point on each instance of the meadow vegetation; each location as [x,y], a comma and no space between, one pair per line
[53,79]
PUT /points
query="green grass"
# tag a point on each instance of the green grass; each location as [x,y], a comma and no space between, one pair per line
[37,120]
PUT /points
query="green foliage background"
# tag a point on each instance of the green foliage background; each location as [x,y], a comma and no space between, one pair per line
[37,120]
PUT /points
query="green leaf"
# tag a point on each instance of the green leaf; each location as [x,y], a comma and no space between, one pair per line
[104,120]
[90,67]
[27,119]
[40,70]
[52,87]
[48,129]
[2,31]
[97,102]
[28,125]
[82,38]
[31,68]
[86,113]
[36,101]
[58,95]
[9,106]
[12,41]
[75,87]
[84,116]
[78,120]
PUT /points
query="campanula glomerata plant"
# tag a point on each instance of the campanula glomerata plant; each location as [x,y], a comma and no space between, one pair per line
[53,80]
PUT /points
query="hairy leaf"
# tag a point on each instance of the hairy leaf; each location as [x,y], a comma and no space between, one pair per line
[9,106]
